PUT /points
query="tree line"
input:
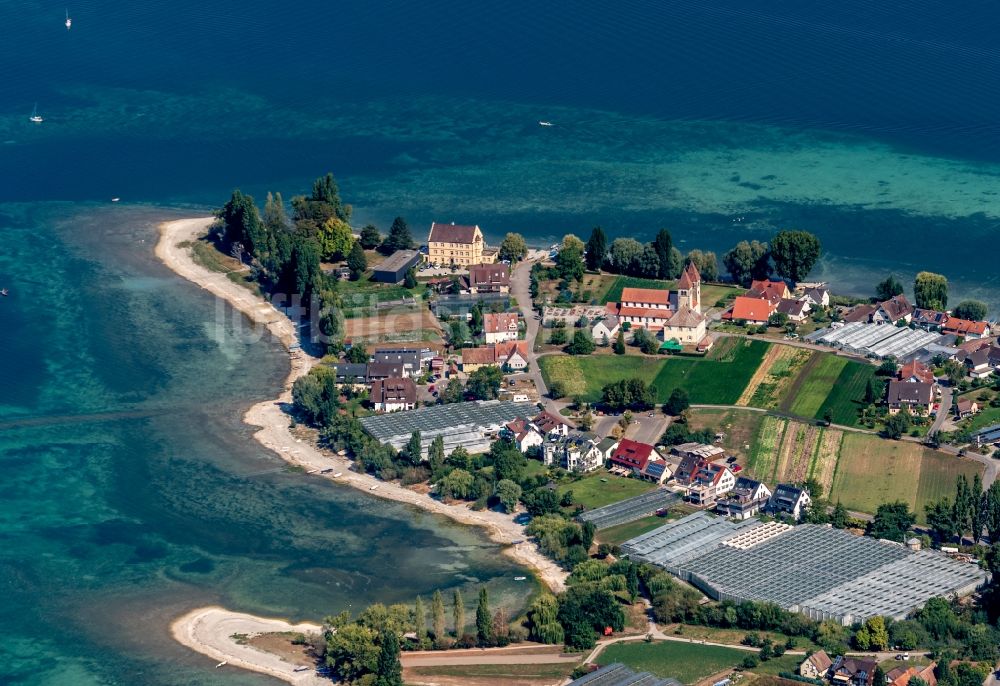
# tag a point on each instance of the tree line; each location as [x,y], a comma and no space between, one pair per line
[930,292]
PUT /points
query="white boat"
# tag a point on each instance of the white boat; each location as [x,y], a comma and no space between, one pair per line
[372,488]
[545,123]
[4,292]
[520,578]
[69,22]
[338,475]
[115,199]
[35,117]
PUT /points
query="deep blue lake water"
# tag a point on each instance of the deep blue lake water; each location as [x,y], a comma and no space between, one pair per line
[875,126]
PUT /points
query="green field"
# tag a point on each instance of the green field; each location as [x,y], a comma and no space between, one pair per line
[614,293]
[717,379]
[616,535]
[713,293]
[872,471]
[846,397]
[685,662]
[600,489]
[820,375]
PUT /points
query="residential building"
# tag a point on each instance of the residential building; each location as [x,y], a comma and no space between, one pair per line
[900,676]
[458,245]
[657,470]
[607,447]
[632,456]
[816,666]
[500,326]
[385,370]
[606,327]
[928,319]
[895,309]
[860,314]
[917,397]
[916,371]
[853,671]
[964,327]
[686,326]
[795,310]
[747,498]
[352,373]
[966,407]
[509,355]
[705,481]
[575,452]
[393,395]
[393,269]
[489,278]
[523,433]
[691,452]
[765,289]
[410,359]
[751,310]
[790,500]
[550,424]
[994,356]
[817,297]
[978,364]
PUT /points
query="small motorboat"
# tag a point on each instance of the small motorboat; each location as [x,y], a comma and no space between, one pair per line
[4,292]
[35,117]
[115,199]
[545,123]
[520,578]
[69,22]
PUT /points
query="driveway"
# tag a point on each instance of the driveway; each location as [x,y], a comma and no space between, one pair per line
[646,429]
[944,409]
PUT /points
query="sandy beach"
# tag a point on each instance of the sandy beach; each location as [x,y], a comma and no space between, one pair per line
[275,431]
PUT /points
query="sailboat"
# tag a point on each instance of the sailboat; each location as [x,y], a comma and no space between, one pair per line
[35,117]
[69,22]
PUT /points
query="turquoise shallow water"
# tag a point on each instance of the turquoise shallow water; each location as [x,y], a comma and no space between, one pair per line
[132,491]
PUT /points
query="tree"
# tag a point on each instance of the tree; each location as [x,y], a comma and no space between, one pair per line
[437,615]
[476,320]
[435,454]
[413,449]
[543,619]
[456,484]
[645,341]
[541,501]
[794,253]
[941,520]
[597,246]
[357,262]
[509,493]
[624,254]
[707,264]
[513,248]
[569,260]
[458,613]
[678,401]
[335,239]
[399,237]
[896,425]
[930,291]
[889,288]
[662,245]
[632,394]
[839,518]
[891,522]
[241,223]
[419,618]
[410,280]
[975,310]
[305,269]
[352,651]
[452,392]
[357,354]
[582,344]
[484,383]
[871,395]
[619,346]
[390,670]
[872,635]
[370,237]
[484,621]
[748,261]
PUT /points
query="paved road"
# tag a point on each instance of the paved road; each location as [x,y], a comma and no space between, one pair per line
[796,344]
[944,409]
[520,288]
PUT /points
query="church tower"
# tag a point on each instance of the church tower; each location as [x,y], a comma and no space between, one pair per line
[689,288]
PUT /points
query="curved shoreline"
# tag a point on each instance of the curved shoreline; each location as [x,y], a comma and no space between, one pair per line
[274,430]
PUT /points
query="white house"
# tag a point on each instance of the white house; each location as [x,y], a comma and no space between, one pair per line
[393,395]
[499,327]
[788,499]
[606,327]
[524,434]
[576,452]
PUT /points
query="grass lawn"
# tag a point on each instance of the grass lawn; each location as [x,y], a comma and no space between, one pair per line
[846,397]
[739,426]
[776,665]
[616,535]
[713,293]
[818,379]
[686,662]
[873,470]
[525,671]
[600,489]
[614,292]
[734,636]
[718,379]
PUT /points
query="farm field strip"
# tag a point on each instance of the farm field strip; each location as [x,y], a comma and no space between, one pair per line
[763,457]
[811,389]
[774,364]
[824,462]
[781,378]
[844,400]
